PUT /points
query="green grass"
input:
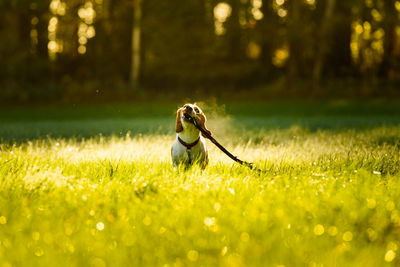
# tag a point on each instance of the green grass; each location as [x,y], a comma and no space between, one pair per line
[91,187]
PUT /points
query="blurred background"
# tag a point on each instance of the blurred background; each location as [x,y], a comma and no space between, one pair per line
[131,50]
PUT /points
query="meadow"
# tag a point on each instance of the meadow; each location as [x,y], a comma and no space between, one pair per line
[94,186]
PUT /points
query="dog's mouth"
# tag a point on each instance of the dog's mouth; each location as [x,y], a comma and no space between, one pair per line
[187,117]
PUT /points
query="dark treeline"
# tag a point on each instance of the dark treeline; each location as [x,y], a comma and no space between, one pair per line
[78,49]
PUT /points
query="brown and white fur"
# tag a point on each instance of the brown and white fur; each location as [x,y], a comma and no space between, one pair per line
[188,134]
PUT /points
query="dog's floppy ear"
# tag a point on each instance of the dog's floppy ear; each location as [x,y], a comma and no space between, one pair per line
[202,123]
[179,127]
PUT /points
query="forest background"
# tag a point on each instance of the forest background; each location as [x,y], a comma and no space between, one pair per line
[108,50]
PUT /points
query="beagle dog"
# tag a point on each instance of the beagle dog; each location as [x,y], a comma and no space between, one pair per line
[189,146]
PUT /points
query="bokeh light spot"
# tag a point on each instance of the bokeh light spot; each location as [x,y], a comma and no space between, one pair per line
[319,229]
[3,220]
[390,255]
[347,236]
[192,255]
[100,226]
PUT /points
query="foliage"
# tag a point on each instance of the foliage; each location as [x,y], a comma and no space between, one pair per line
[69,49]
[329,195]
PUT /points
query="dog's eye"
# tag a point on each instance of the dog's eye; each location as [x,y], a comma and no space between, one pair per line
[196,110]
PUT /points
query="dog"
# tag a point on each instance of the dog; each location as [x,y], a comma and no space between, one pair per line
[190,145]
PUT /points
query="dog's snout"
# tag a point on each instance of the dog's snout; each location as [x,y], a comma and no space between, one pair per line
[188,108]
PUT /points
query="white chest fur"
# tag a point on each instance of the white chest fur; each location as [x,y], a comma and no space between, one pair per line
[187,156]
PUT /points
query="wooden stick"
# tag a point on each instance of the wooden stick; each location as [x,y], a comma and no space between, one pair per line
[223,149]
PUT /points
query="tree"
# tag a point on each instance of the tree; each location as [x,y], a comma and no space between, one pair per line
[339,61]
[234,33]
[389,42]
[294,40]
[324,43]
[268,29]
[136,41]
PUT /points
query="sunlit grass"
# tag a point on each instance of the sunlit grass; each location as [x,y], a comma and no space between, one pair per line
[329,196]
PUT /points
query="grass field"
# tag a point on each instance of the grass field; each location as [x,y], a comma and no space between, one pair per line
[94,186]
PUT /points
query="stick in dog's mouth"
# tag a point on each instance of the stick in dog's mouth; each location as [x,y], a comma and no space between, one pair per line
[188,117]
[248,164]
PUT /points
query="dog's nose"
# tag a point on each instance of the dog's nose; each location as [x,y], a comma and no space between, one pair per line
[188,108]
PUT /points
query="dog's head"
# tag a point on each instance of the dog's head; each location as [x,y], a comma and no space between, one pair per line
[195,112]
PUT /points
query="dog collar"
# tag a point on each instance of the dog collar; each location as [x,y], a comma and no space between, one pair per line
[188,146]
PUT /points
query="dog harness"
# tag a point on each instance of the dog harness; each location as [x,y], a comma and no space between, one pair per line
[188,147]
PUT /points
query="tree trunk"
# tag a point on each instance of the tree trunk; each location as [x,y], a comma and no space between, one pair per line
[234,33]
[389,39]
[268,31]
[339,58]
[323,44]
[107,17]
[136,36]
[294,39]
